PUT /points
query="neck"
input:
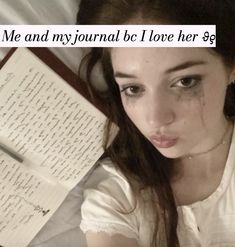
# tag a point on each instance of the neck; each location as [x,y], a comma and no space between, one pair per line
[207,163]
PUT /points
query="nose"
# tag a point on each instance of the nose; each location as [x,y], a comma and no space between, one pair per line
[159,110]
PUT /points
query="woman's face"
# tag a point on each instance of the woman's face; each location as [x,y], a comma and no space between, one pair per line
[175,96]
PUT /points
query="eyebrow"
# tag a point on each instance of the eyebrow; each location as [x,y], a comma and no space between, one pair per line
[185,65]
[182,66]
[123,75]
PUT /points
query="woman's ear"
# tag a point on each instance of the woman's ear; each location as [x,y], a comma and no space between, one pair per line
[232,75]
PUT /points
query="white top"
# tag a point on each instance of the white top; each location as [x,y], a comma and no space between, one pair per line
[210,222]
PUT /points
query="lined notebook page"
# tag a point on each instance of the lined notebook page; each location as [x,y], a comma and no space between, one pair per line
[27,202]
[57,132]
[47,121]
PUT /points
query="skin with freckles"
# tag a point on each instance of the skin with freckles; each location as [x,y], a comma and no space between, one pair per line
[175,96]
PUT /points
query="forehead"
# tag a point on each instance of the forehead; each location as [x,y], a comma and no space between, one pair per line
[124,59]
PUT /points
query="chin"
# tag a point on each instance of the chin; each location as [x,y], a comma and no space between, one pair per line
[171,154]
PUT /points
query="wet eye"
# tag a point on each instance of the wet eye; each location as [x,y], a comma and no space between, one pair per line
[187,82]
[131,91]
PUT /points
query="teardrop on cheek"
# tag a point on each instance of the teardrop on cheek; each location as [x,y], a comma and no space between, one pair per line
[202,104]
[187,94]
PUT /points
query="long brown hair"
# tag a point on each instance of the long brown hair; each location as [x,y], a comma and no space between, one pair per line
[131,152]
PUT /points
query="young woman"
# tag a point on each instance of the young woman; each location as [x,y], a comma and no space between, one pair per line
[169,179]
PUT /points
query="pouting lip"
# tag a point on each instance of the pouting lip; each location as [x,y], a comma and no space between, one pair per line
[163,141]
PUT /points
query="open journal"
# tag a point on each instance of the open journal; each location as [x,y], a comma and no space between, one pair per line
[56,133]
